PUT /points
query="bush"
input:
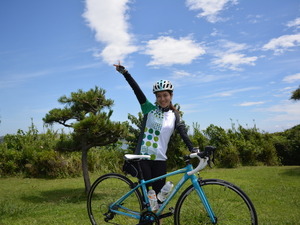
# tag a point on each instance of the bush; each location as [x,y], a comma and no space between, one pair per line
[36,155]
[241,146]
[248,153]
[53,164]
[287,145]
[228,157]
[268,155]
[9,161]
[198,138]
[106,159]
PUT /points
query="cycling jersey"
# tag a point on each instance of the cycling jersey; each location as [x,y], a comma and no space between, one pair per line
[158,125]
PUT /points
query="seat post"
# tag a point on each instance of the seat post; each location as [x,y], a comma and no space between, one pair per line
[141,176]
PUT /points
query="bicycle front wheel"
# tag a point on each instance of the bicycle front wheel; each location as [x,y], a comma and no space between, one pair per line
[105,191]
[229,203]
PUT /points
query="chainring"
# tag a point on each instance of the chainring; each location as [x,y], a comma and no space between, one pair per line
[149,218]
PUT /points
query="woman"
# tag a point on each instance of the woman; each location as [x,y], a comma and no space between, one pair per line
[160,120]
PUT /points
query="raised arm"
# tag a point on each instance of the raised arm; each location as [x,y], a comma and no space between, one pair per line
[135,87]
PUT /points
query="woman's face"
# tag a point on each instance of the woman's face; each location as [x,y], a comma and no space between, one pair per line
[163,98]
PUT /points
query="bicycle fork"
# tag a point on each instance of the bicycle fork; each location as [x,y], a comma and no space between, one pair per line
[203,198]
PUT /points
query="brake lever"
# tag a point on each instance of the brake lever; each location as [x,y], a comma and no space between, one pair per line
[211,150]
[212,159]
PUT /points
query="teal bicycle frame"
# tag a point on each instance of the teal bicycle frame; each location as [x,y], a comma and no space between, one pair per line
[177,187]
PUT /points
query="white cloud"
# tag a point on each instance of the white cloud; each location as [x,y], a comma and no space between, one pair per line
[232,46]
[285,111]
[168,51]
[294,23]
[210,8]
[285,92]
[12,80]
[179,74]
[283,43]
[195,78]
[190,108]
[233,61]
[109,20]
[292,78]
[209,78]
[182,77]
[231,92]
[254,18]
[216,33]
[251,103]
[228,56]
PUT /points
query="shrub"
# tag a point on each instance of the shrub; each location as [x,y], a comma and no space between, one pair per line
[248,153]
[9,161]
[53,164]
[228,157]
[33,155]
[268,155]
[106,159]
[287,145]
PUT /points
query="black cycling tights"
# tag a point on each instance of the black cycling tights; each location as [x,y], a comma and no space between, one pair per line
[152,169]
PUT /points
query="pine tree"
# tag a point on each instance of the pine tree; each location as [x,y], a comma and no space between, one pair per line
[88,114]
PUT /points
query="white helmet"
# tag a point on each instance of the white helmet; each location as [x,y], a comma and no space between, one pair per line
[162,85]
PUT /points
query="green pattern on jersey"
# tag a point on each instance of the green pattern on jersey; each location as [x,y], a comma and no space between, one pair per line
[147,107]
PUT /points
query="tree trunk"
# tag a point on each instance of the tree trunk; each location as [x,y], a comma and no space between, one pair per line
[85,170]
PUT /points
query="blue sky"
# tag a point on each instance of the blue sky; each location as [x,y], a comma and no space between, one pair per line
[229,60]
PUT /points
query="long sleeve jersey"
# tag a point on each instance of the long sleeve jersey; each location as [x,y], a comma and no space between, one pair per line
[158,125]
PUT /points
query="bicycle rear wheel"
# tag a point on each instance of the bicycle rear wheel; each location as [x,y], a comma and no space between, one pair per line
[229,203]
[106,190]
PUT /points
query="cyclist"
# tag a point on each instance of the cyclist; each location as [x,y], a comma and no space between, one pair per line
[160,120]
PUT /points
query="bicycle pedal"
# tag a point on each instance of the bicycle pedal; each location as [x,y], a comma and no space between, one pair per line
[172,209]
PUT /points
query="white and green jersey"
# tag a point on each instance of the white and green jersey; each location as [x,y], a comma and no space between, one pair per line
[157,132]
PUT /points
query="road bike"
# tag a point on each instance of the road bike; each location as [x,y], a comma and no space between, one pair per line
[116,199]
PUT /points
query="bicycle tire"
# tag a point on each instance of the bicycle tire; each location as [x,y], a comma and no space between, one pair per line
[106,190]
[230,204]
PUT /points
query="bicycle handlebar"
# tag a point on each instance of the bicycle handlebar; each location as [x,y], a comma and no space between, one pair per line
[202,163]
[204,159]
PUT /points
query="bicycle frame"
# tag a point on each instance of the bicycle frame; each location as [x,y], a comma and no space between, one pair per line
[185,171]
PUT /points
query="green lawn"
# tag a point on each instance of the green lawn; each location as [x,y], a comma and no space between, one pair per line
[275,192]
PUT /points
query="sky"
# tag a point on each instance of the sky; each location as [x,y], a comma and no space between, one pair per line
[230,61]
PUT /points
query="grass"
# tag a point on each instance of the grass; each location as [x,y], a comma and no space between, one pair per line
[273,190]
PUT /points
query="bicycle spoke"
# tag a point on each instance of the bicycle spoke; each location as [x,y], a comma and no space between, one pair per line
[105,191]
[230,205]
